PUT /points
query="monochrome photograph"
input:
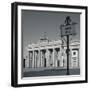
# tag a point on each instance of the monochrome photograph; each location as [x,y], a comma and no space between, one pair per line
[49,44]
[44,43]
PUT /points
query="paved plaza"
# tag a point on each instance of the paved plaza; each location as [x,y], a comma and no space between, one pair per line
[51,72]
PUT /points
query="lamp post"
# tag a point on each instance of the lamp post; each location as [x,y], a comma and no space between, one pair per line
[67,29]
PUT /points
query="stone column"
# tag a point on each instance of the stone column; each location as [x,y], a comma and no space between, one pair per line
[53,58]
[78,57]
[41,58]
[59,55]
[46,55]
[61,61]
[38,58]
[36,61]
[30,59]
[33,60]
[48,58]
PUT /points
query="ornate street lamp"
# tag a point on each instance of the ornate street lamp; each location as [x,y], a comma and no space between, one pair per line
[67,29]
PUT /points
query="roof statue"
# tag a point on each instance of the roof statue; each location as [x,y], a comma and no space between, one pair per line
[68,20]
[44,37]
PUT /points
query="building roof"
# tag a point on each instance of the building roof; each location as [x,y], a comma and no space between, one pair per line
[51,43]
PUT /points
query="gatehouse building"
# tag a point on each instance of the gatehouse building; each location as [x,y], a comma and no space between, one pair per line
[52,54]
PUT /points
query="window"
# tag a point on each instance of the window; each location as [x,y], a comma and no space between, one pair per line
[74,53]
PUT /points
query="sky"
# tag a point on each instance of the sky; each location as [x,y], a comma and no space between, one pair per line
[35,23]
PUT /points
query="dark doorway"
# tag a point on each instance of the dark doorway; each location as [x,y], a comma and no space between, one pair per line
[24,63]
[45,62]
[58,63]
